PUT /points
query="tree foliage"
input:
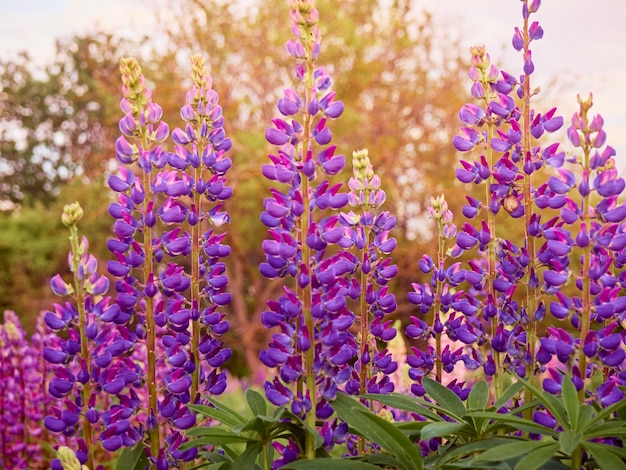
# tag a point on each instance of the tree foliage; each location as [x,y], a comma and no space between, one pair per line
[397,73]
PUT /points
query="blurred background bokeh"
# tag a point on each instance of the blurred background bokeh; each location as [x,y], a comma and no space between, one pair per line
[398,65]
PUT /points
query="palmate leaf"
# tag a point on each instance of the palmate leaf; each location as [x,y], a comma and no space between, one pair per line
[604,456]
[509,393]
[454,453]
[570,401]
[248,457]
[514,449]
[517,422]
[478,396]
[538,457]
[406,403]
[552,403]
[330,464]
[132,458]
[230,419]
[213,436]
[442,429]
[445,397]
[376,429]
[609,429]
[256,402]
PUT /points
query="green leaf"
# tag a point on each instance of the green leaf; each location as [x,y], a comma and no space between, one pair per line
[478,396]
[568,442]
[133,458]
[441,429]
[257,424]
[570,400]
[467,449]
[256,402]
[218,414]
[511,450]
[585,412]
[403,402]
[509,393]
[516,421]
[604,412]
[609,429]
[330,464]
[378,430]
[248,457]
[213,436]
[603,455]
[445,397]
[538,457]
[552,403]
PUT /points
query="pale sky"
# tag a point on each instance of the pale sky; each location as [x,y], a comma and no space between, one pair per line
[583,48]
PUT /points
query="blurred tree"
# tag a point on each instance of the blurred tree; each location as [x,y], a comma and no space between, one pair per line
[401,79]
[59,122]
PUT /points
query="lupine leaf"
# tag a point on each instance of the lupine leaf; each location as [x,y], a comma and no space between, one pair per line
[215,436]
[441,429]
[256,402]
[570,400]
[248,457]
[330,464]
[538,457]
[403,402]
[469,448]
[132,458]
[445,397]
[552,403]
[509,451]
[478,396]
[609,429]
[604,456]
[603,413]
[509,393]
[257,424]
[378,430]
[585,412]
[218,414]
[568,442]
[516,421]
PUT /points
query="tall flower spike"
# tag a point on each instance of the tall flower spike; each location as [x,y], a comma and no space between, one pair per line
[137,248]
[369,230]
[453,312]
[79,336]
[201,153]
[314,346]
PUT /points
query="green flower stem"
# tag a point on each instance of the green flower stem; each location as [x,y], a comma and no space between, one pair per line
[195,281]
[531,292]
[491,224]
[309,357]
[585,318]
[84,345]
[155,438]
[437,303]
[364,310]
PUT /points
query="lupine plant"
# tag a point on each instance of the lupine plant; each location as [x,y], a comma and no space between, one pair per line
[517,343]
[315,343]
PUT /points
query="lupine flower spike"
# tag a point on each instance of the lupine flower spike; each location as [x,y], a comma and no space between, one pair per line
[81,338]
[314,346]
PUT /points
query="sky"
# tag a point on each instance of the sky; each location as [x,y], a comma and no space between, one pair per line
[583,49]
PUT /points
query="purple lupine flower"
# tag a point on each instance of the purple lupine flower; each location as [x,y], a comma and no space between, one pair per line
[314,321]
[185,330]
[78,325]
[369,230]
[449,332]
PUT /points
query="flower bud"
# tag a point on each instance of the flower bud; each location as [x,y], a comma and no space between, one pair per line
[72,213]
